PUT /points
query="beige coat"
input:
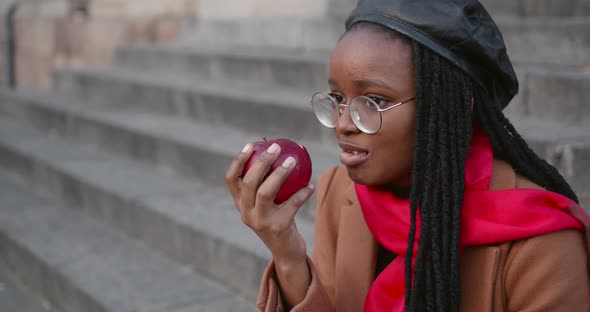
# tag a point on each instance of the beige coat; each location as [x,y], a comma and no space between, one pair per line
[544,273]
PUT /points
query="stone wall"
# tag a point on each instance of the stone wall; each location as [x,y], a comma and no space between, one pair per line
[231,9]
[143,8]
[51,35]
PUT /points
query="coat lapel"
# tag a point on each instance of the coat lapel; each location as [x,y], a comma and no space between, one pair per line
[357,252]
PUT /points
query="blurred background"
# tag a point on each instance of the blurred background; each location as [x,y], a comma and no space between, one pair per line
[118,119]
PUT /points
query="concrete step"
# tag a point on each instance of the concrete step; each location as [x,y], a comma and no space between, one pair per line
[564,146]
[182,146]
[537,40]
[257,110]
[553,94]
[552,41]
[295,33]
[190,222]
[277,67]
[79,264]
[14,296]
[174,145]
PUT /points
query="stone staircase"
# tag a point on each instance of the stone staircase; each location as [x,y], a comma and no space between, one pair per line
[112,195]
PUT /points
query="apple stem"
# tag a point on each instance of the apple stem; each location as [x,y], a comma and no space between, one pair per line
[264,139]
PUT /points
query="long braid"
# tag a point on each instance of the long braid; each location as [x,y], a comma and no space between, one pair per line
[429,197]
[442,140]
[461,107]
[417,188]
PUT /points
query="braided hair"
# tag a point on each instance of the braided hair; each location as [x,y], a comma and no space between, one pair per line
[448,103]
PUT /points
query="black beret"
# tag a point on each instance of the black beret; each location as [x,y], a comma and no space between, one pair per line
[461,31]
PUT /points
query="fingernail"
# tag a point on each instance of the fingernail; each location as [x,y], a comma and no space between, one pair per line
[246,148]
[273,148]
[289,162]
[311,187]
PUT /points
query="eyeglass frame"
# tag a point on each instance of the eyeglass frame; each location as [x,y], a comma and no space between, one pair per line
[339,109]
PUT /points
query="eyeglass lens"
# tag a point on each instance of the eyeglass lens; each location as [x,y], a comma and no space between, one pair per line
[325,109]
[363,112]
[369,119]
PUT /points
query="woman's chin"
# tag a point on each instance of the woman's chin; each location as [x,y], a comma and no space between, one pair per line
[362,177]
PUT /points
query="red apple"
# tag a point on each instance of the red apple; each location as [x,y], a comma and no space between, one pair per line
[299,176]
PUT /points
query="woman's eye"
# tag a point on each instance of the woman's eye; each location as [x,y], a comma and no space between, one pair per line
[379,100]
[337,97]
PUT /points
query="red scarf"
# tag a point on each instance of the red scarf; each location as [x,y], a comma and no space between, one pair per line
[487,217]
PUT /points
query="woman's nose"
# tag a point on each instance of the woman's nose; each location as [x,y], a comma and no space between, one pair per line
[345,125]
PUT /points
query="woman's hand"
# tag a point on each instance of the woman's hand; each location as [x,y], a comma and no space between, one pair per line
[254,195]
[275,225]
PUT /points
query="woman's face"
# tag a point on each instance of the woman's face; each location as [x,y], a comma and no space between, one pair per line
[372,64]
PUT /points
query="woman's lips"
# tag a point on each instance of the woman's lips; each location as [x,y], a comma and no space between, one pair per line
[352,155]
[353,159]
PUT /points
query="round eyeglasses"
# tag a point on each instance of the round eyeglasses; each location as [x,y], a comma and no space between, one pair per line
[365,113]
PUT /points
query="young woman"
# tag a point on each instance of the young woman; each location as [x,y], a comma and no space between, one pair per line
[439,204]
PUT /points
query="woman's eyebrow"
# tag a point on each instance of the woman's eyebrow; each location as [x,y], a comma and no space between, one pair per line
[365,83]
[361,84]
